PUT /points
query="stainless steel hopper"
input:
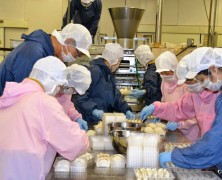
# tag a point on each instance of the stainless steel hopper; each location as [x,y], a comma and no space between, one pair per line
[126,21]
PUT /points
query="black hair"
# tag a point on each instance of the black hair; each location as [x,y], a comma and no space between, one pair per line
[204,72]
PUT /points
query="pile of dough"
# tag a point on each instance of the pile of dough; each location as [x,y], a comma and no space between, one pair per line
[118,161]
[62,165]
[91,133]
[162,125]
[171,146]
[157,128]
[103,160]
[126,91]
[148,130]
[87,156]
[98,128]
[135,120]
[144,173]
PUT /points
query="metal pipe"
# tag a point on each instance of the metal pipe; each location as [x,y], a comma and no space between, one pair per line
[209,23]
[158,31]
[214,23]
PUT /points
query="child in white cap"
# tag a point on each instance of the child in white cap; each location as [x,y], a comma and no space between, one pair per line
[198,103]
[34,126]
[150,90]
[79,80]
[167,65]
[206,152]
[103,96]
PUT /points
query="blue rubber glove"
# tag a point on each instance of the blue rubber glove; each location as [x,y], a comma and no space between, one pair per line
[82,123]
[130,115]
[147,111]
[98,113]
[172,126]
[164,157]
[137,93]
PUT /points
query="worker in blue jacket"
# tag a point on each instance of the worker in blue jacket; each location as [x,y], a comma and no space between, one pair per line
[102,95]
[85,12]
[206,152]
[71,42]
[151,87]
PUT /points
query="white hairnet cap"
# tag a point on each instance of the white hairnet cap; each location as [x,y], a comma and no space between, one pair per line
[78,77]
[200,59]
[79,33]
[50,71]
[144,54]
[182,69]
[87,1]
[112,52]
[217,57]
[166,61]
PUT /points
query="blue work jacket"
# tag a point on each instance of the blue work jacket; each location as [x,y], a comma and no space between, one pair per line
[102,93]
[152,84]
[207,151]
[18,64]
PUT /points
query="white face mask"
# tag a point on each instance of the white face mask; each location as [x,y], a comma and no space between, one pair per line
[212,86]
[169,78]
[196,88]
[67,57]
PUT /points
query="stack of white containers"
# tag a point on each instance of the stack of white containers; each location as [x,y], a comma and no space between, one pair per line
[135,150]
[101,142]
[143,150]
[151,150]
[111,117]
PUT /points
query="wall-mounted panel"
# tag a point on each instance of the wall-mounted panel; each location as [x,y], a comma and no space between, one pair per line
[44,14]
[193,12]
[12,9]
[149,15]
[219,15]
[170,12]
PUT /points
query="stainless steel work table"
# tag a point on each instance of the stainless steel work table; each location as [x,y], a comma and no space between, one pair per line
[94,173]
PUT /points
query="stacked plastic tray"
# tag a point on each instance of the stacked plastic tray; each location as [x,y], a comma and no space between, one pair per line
[196,175]
[170,166]
[169,146]
[153,174]
[143,150]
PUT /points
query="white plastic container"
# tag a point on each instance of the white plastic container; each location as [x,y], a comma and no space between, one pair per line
[97,142]
[118,161]
[14,42]
[108,143]
[106,119]
[62,165]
